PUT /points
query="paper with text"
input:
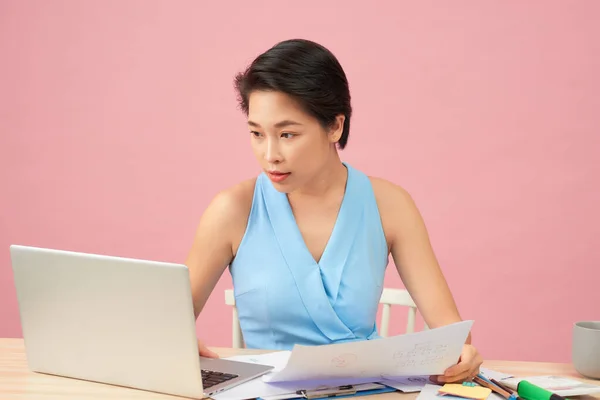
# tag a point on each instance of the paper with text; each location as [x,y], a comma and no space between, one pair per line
[427,352]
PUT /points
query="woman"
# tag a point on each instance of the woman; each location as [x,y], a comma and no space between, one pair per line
[308,240]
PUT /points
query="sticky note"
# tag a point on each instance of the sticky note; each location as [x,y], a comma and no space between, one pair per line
[467,392]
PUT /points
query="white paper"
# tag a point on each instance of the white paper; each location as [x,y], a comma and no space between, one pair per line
[428,352]
[429,392]
[408,384]
[556,384]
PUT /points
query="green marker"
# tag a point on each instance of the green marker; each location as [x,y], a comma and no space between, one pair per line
[529,391]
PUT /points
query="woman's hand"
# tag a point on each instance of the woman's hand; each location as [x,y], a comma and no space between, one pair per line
[205,352]
[466,368]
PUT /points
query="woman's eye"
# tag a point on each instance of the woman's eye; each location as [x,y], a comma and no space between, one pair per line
[255,134]
[287,135]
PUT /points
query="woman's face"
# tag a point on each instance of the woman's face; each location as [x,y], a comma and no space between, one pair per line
[290,145]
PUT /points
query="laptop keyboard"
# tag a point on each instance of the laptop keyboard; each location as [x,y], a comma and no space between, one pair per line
[212,378]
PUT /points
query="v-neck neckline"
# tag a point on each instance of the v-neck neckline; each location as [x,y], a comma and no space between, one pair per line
[341,214]
[327,273]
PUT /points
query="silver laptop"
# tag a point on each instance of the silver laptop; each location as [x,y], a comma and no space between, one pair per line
[119,321]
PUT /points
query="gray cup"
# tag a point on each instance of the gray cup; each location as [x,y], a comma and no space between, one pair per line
[586,348]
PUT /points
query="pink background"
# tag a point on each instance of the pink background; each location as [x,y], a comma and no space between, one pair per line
[118,124]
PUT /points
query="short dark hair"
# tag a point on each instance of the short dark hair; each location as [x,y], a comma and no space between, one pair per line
[306,71]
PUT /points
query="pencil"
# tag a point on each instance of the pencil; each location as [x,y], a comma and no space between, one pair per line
[502,386]
[491,386]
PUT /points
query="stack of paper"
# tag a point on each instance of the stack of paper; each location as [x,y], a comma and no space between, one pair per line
[401,362]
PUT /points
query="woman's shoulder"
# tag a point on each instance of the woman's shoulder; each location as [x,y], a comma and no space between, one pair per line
[389,194]
[227,214]
[235,201]
[396,206]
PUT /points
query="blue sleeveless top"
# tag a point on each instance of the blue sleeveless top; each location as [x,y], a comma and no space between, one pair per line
[284,297]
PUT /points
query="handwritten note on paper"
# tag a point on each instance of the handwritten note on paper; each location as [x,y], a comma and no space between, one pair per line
[427,352]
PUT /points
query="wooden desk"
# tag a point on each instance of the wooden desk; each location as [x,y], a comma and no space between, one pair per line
[17,382]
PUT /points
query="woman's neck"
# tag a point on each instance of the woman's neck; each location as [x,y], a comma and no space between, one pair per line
[331,179]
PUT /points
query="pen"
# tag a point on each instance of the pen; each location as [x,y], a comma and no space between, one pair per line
[509,390]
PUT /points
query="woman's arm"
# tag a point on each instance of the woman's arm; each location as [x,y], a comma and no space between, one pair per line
[419,269]
[219,231]
[221,225]
[417,264]
[413,255]
[211,251]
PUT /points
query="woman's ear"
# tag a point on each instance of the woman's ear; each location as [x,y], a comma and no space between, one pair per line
[337,128]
